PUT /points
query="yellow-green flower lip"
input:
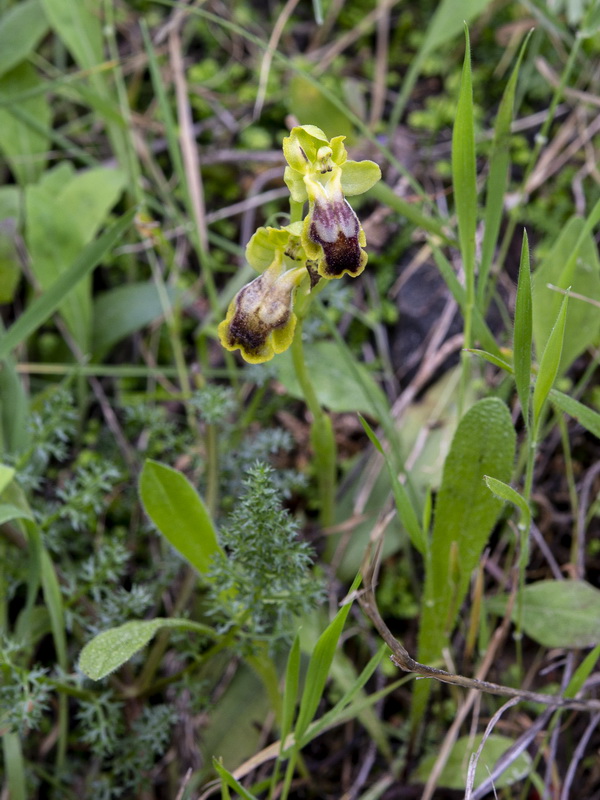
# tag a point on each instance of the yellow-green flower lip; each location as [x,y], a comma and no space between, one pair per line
[260,322]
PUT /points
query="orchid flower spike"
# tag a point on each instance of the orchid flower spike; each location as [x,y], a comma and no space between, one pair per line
[319,171]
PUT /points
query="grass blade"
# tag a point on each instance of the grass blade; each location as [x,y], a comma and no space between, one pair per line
[464,177]
[318,668]
[290,694]
[549,364]
[523,327]
[15,766]
[586,416]
[229,781]
[498,178]
[406,512]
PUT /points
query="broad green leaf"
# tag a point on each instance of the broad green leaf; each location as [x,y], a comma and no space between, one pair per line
[522,336]
[110,649]
[497,180]
[179,513]
[406,512]
[507,494]
[10,203]
[21,28]
[6,475]
[46,304]
[549,364]
[465,511]
[464,174]
[465,514]
[24,148]
[559,613]
[9,512]
[454,773]
[586,416]
[334,382]
[79,25]
[319,666]
[572,262]
[122,311]
[60,223]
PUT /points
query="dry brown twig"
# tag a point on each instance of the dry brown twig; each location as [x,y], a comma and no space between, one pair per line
[404,661]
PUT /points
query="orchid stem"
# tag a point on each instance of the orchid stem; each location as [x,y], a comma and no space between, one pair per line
[321,433]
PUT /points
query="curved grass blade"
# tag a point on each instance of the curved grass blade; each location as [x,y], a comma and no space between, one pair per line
[498,178]
[549,364]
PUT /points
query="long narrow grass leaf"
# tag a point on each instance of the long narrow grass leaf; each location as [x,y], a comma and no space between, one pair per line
[481,331]
[582,673]
[231,782]
[290,694]
[331,717]
[498,177]
[585,415]
[386,195]
[523,326]
[497,362]
[318,668]
[464,176]
[406,512]
[14,765]
[549,363]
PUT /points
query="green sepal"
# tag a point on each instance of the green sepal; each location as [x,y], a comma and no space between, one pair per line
[263,246]
[359,176]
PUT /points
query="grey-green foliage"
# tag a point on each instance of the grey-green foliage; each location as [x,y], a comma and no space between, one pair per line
[214,403]
[262,583]
[51,427]
[24,694]
[265,446]
[82,497]
[154,431]
[125,754]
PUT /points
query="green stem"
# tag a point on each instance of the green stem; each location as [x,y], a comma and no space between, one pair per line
[321,434]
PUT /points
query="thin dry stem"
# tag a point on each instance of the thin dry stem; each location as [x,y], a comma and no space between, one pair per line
[402,659]
[189,150]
